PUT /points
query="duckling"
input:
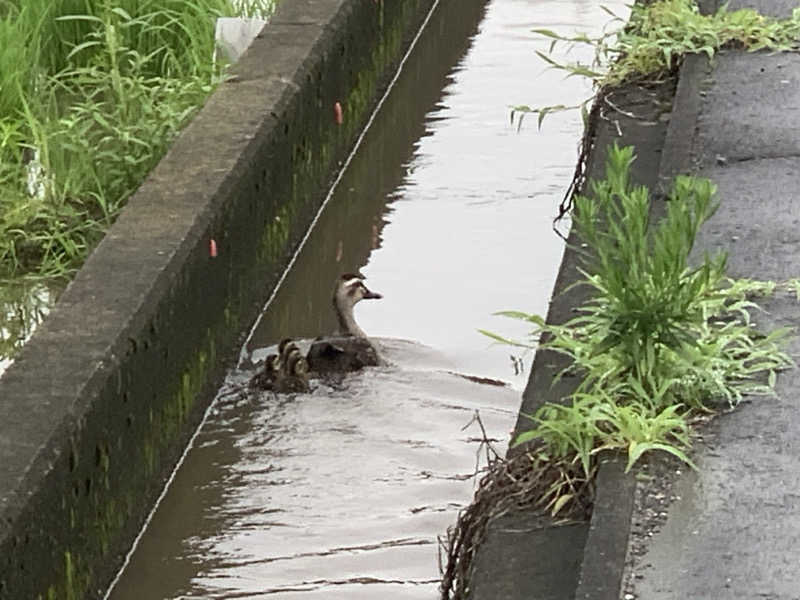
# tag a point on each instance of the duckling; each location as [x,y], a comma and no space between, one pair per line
[350,349]
[293,369]
[265,379]
[285,372]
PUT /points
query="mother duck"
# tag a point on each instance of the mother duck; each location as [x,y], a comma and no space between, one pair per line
[349,349]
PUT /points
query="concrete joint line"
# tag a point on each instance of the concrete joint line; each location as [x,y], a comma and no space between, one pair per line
[679,144]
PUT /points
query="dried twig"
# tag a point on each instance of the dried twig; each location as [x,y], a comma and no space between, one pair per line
[584,149]
[526,481]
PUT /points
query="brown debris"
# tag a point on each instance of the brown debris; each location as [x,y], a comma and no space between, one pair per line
[525,480]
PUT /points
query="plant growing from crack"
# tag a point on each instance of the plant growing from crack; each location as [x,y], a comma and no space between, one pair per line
[660,341]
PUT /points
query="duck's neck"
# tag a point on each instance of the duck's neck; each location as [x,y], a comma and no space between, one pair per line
[347,322]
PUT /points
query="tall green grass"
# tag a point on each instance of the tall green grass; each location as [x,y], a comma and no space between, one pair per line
[92,92]
[178,33]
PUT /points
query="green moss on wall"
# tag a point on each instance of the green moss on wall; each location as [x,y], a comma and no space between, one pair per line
[103,507]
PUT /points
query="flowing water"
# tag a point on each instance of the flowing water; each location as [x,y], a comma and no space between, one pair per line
[447,209]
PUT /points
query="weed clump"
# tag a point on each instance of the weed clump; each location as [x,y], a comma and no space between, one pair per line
[659,341]
[658,35]
[91,95]
[652,43]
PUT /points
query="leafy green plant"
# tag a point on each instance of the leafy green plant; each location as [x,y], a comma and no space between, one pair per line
[657,37]
[658,339]
[91,95]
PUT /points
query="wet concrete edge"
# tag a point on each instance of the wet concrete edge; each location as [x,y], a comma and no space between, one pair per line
[99,404]
[680,139]
[592,560]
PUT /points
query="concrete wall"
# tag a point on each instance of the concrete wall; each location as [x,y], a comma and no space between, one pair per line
[100,403]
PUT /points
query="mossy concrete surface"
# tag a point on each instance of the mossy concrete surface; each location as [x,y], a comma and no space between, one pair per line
[101,401]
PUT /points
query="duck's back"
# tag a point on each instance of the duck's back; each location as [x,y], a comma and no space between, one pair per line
[342,354]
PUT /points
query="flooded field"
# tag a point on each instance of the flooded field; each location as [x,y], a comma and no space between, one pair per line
[447,209]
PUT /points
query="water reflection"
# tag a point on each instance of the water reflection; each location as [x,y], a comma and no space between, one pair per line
[338,493]
[22,307]
[351,226]
[469,229]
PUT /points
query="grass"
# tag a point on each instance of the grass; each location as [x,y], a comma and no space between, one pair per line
[660,340]
[92,92]
[655,39]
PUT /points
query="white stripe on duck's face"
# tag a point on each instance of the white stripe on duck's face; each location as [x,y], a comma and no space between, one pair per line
[358,291]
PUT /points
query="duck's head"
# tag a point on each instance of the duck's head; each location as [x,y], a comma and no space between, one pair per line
[290,359]
[284,347]
[272,363]
[350,289]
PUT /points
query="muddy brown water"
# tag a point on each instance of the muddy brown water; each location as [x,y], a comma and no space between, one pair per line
[447,209]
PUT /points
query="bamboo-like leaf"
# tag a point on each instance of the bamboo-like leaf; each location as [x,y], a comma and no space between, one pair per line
[80,47]
[608,11]
[121,12]
[635,452]
[521,316]
[549,60]
[503,340]
[79,18]
[548,33]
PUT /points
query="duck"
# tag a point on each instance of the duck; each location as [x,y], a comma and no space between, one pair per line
[293,373]
[349,349]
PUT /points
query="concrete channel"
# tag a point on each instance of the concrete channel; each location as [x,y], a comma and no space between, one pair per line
[254,511]
[88,437]
[101,401]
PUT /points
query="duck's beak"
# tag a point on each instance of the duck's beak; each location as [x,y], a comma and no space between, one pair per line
[370,295]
